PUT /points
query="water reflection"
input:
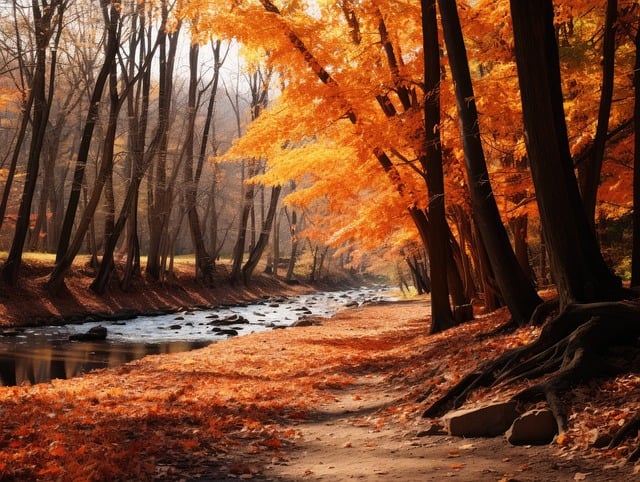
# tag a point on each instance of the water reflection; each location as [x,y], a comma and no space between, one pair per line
[61,359]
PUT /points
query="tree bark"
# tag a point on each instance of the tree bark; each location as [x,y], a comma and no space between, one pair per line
[437,232]
[589,169]
[518,292]
[87,134]
[204,263]
[579,270]
[257,251]
[635,254]
[41,108]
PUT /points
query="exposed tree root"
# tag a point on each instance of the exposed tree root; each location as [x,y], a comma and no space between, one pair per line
[540,314]
[569,350]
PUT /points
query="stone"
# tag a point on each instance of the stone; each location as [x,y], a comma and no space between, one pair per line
[535,427]
[97,333]
[485,421]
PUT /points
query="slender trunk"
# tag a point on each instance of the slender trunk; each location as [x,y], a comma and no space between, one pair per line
[589,170]
[106,168]
[41,110]
[518,292]
[437,244]
[256,253]
[204,263]
[635,254]
[90,124]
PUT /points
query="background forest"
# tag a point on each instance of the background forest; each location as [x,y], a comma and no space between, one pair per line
[253,131]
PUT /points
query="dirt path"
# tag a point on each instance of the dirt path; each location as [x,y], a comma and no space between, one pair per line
[344,443]
[334,402]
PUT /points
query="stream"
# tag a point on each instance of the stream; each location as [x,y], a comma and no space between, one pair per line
[40,354]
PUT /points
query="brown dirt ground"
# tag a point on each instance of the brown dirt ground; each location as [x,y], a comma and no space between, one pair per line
[335,401]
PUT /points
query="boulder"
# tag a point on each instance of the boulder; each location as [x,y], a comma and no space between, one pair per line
[535,427]
[485,421]
[97,333]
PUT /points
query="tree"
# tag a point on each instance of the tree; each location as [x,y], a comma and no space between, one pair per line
[67,248]
[516,288]
[47,21]
[590,316]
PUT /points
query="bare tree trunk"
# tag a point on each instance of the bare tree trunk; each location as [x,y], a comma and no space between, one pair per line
[158,192]
[441,314]
[41,108]
[256,253]
[106,168]
[112,20]
[204,263]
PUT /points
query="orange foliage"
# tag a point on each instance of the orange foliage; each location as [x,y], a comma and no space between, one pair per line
[307,136]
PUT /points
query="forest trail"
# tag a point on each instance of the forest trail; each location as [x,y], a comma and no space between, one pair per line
[348,439]
[334,402]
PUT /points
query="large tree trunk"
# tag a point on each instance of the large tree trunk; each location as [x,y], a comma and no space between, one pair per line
[578,267]
[589,169]
[518,292]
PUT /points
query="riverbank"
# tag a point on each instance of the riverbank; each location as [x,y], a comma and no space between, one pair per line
[331,402]
[30,304]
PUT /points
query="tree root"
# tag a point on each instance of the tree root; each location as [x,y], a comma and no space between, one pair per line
[625,431]
[569,348]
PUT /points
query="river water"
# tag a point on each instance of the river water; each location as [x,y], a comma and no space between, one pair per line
[37,355]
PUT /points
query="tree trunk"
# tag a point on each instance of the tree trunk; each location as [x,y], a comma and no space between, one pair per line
[437,231]
[578,267]
[106,168]
[518,292]
[589,169]
[635,254]
[256,253]
[87,134]
[158,191]
[41,108]
[204,263]
[293,256]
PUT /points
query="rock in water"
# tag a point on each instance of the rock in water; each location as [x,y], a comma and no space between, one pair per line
[97,333]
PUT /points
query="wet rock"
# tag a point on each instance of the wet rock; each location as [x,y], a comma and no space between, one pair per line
[97,333]
[352,304]
[485,421]
[226,331]
[9,333]
[175,327]
[308,321]
[179,318]
[212,317]
[535,427]
[230,320]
